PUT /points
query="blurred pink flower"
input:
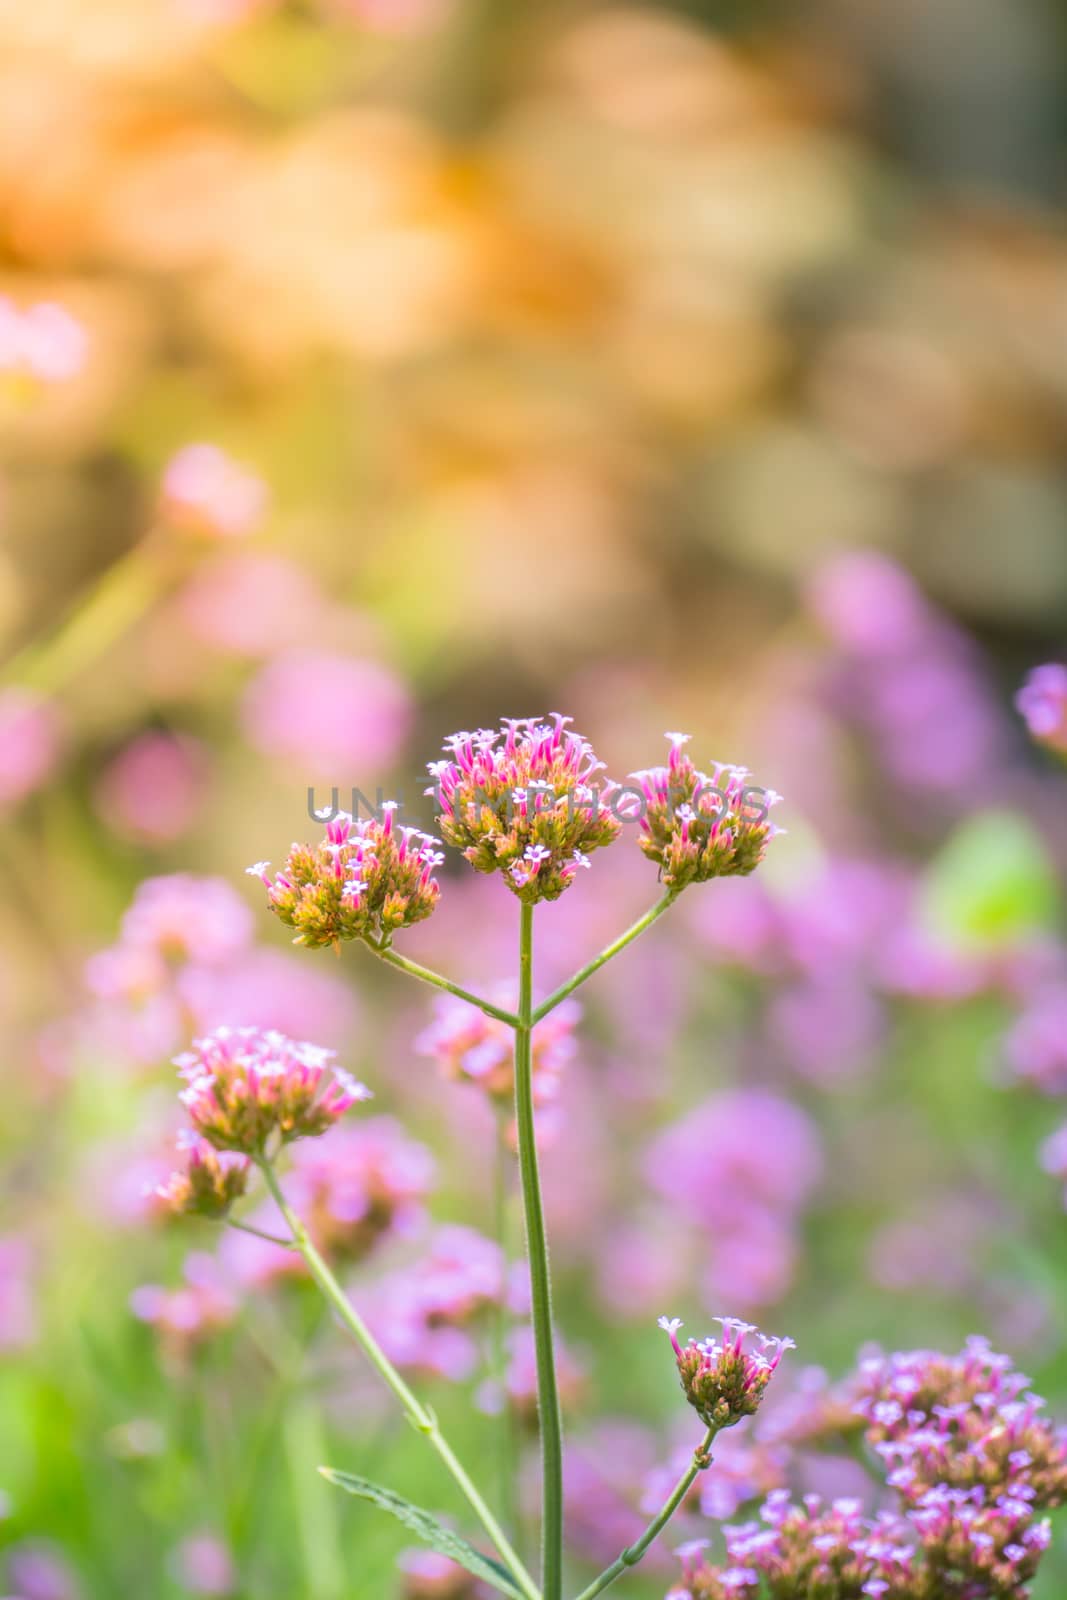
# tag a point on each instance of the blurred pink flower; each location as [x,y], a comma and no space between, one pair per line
[188,917]
[41,342]
[29,744]
[203,1565]
[155,789]
[18,1322]
[1034,1048]
[266,988]
[1042,701]
[38,1570]
[204,491]
[251,604]
[344,717]
[185,1316]
[422,1315]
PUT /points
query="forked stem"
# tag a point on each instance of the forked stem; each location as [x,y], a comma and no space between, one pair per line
[420,1416]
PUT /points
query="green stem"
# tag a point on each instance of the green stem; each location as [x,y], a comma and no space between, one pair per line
[634,1552]
[540,1278]
[421,1418]
[124,593]
[413,970]
[260,1233]
[503,1162]
[633,932]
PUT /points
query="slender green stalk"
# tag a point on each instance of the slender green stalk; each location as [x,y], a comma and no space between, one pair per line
[633,932]
[503,1162]
[634,1552]
[413,970]
[125,592]
[540,1278]
[421,1418]
[260,1233]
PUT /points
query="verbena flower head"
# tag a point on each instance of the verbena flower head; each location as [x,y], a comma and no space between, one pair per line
[723,1381]
[366,1184]
[525,801]
[1042,700]
[205,492]
[367,879]
[697,825]
[247,1086]
[209,1181]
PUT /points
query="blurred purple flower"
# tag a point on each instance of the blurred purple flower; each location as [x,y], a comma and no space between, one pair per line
[155,789]
[1042,701]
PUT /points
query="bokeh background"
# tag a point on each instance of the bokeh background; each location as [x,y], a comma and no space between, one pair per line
[691,366]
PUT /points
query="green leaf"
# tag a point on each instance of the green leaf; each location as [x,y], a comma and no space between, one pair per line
[992,883]
[426,1527]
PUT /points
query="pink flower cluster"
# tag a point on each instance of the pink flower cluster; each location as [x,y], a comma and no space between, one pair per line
[426,1316]
[365,1184]
[525,801]
[1042,701]
[365,880]
[696,825]
[205,492]
[972,1464]
[473,1048]
[41,343]
[721,1380]
[183,1318]
[247,1087]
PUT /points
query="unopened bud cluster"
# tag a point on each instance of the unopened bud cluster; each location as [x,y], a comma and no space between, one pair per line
[524,801]
[723,1381]
[208,1183]
[247,1087]
[366,879]
[697,825]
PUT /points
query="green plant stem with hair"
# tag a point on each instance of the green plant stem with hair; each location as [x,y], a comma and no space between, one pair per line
[421,1417]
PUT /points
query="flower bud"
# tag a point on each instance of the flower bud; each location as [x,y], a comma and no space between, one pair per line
[723,1381]
[209,1183]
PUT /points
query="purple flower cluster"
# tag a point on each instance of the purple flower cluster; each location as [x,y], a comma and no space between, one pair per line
[365,880]
[426,1316]
[721,1379]
[526,801]
[1042,701]
[366,1183]
[697,825]
[972,1465]
[247,1087]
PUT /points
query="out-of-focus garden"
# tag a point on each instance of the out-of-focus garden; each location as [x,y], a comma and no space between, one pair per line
[372,369]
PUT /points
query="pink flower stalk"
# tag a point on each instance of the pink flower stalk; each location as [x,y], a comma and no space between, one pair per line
[473,1048]
[525,801]
[365,1185]
[1042,701]
[365,880]
[185,1317]
[341,716]
[154,789]
[29,744]
[696,825]
[205,492]
[721,1380]
[41,343]
[209,1182]
[247,1086]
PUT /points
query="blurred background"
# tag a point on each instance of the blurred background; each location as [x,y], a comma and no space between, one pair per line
[371,369]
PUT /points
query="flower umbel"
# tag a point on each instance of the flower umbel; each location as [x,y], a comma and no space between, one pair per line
[723,1381]
[524,801]
[247,1085]
[365,880]
[698,825]
[210,1181]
